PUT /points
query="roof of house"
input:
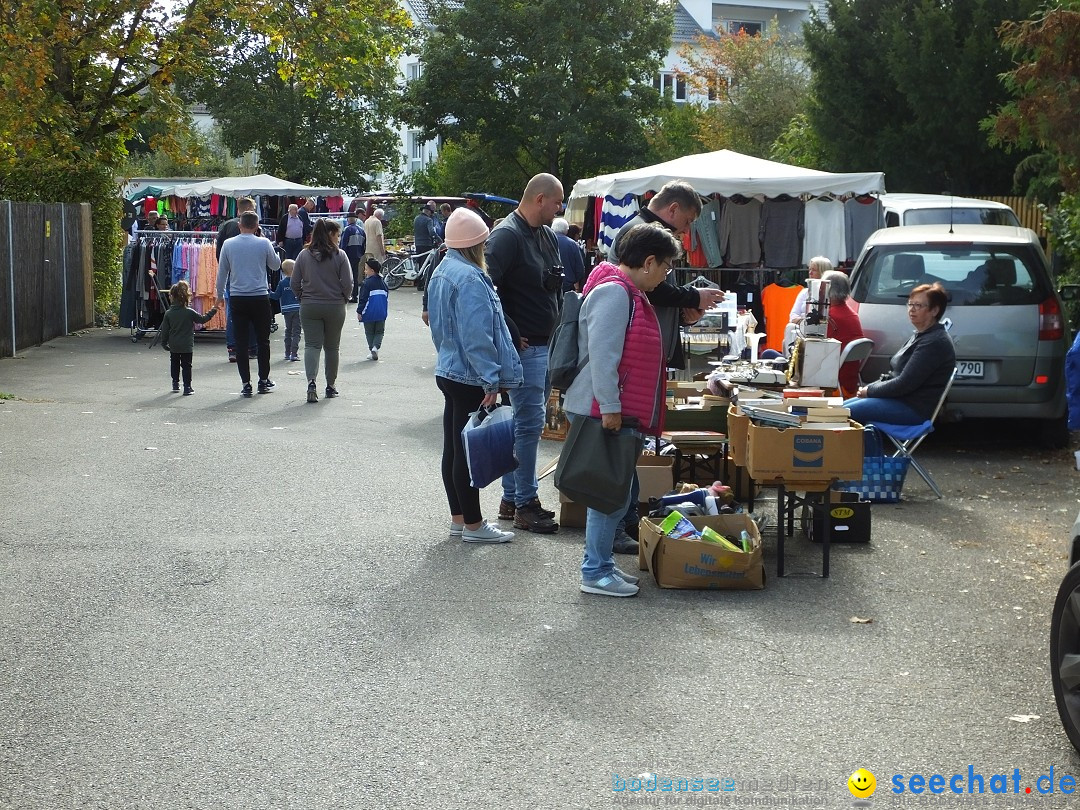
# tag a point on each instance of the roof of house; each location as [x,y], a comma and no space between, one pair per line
[686,27]
[422,10]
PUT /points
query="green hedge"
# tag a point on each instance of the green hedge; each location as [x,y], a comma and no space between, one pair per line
[60,181]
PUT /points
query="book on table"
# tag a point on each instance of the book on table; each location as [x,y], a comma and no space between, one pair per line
[693,436]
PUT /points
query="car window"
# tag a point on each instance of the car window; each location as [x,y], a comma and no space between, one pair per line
[960,216]
[978,275]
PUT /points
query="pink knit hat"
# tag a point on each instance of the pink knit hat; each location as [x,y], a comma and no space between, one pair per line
[465,229]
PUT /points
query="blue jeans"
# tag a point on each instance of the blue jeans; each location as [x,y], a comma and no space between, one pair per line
[882,410]
[530,404]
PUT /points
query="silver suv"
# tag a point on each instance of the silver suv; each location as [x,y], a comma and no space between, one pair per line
[1004,316]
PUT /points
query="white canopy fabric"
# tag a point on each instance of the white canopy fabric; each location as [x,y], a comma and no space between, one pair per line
[726,173]
[243,186]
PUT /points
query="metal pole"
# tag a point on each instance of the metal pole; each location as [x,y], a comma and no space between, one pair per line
[63,260]
[11,272]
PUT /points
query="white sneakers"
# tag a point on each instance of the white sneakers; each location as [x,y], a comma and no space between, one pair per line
[484,533]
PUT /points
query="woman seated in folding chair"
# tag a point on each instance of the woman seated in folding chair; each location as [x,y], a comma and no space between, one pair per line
[921,370]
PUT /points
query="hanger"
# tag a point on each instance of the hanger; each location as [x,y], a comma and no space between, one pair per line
[783,198]
[701,281]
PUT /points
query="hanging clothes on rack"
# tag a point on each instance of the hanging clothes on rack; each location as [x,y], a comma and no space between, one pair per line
[615,213]
[824,229]
[781,230]
[863,215]
[740,223]
[706,229]
[776,301]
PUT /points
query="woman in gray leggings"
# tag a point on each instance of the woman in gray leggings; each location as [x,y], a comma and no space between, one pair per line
[322,282]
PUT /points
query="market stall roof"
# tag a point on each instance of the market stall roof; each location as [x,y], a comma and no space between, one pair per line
[728,173]
[242,186]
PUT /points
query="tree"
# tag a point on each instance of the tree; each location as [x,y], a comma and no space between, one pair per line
[901,86]
[757,83]
[674,130]
[1045,88]
[317,134]
[544,89]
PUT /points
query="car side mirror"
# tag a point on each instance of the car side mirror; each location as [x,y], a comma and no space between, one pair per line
[1069,292]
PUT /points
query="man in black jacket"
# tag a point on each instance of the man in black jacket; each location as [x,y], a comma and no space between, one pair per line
[522,257]
[675,206]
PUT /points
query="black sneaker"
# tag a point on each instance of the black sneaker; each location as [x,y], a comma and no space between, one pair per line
[266,386]
[506,509]
[246,390]
[624,544]
[312,392]
[530,519]
[331,392]
[176,385]
[535,504]
[188,390]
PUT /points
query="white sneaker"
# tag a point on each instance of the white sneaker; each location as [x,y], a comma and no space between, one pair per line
[486,533]
[374,354]
[456,529]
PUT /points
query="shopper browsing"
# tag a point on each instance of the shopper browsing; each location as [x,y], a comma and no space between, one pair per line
[373,305]
[242,268]
[322,282]
[623,382]
[476,358]
[290,310]
[178,333]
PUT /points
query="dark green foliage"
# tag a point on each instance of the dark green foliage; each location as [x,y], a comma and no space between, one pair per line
[901,87]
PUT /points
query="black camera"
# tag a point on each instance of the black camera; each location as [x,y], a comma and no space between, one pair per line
[553,278]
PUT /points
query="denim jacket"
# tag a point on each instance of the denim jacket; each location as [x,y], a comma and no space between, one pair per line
[467,326]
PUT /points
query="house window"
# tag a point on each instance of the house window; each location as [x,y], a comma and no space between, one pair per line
[751,28]
[416,151]
[414,70]
[670,84]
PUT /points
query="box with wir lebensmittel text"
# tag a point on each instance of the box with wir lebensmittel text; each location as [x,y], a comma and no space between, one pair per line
[697,564]
[804,454]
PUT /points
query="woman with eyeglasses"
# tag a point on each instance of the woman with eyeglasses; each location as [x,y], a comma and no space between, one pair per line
[908,394]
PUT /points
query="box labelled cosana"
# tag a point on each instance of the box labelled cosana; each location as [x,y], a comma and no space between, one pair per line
[799,455]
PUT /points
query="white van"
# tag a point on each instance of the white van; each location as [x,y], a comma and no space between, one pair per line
[941,209]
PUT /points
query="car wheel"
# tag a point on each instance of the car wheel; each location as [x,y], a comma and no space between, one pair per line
[1054,433]
[1065,653]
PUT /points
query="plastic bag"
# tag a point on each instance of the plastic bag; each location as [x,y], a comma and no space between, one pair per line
[488,438]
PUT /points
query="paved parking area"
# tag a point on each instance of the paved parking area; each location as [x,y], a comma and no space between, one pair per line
[212,602]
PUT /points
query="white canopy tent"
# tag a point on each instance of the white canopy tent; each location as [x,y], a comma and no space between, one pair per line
[244,186]
[725,173]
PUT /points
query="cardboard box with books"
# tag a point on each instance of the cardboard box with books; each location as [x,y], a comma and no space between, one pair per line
[702,564]
[799,454]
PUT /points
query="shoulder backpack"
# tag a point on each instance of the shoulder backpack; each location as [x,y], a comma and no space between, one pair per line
[564,365]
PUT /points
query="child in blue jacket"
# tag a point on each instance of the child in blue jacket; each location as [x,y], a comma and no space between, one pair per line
[373,305]
[290,310]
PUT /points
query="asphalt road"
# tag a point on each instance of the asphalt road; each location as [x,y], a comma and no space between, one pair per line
[212,602]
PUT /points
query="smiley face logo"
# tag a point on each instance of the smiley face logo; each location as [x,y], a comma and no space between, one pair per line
[862,784]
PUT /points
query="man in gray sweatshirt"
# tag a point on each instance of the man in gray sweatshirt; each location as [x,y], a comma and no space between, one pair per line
[242,266]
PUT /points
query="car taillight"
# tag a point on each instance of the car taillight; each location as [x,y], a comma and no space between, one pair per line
[1051,324]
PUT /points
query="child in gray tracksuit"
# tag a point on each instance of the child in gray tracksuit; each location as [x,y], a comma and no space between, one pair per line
[290,310]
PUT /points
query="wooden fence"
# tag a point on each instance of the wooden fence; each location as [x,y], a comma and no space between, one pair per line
[46,272]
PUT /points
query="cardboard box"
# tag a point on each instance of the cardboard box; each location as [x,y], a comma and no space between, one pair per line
[655,476]
[571,515]
[696,564]
[849,520]
[738,433]
[696,419]
[801,454]
[556,425]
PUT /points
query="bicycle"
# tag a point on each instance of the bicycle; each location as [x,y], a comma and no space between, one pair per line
[403,266]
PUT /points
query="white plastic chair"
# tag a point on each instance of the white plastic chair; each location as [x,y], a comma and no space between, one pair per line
[907,438]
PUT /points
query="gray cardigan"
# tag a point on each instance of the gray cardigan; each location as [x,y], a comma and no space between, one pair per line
[920,371]
[601,335]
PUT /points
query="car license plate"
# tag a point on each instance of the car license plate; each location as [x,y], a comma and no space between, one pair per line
[969,368]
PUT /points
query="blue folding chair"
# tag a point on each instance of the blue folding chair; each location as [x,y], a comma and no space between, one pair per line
[908,437]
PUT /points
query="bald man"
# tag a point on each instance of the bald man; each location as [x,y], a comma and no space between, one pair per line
[522,256]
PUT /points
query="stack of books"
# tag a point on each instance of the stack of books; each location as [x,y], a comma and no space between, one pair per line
[819,413]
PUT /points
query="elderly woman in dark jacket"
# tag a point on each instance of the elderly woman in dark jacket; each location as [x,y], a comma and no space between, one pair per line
[908,394]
